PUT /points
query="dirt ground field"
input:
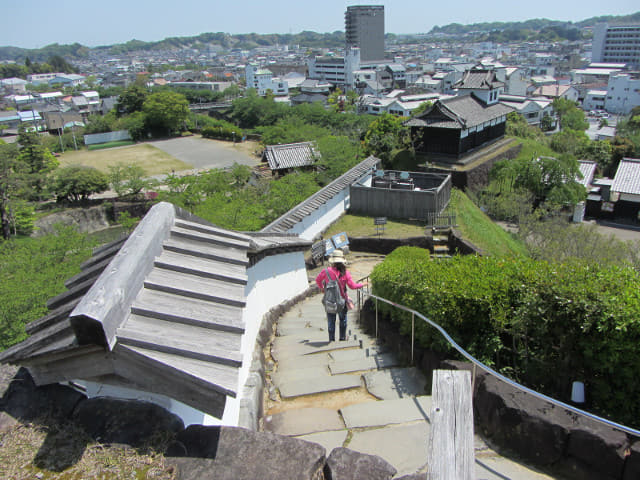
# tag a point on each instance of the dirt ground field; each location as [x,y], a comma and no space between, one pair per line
[165,156]
[153,160]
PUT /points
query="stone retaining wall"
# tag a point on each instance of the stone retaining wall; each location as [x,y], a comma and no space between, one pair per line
[517,423]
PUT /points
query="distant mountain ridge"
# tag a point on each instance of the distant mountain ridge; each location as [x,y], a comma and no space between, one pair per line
[533,24]
[497,31]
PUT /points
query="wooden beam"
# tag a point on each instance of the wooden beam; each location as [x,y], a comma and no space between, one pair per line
[107,303]
[91,363]
[451,451]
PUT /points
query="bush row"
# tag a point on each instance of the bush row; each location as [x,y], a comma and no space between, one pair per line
[223,131]
[544,324]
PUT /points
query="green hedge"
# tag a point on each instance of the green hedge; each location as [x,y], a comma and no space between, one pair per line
[223,131]
[119,143]
[544,324]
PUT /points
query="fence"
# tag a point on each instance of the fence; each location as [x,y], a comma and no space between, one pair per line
[364,294]
[435,219]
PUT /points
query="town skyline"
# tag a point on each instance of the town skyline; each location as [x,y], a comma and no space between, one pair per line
[96,25]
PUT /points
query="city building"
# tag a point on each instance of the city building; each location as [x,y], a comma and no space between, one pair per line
[623,93]
[616,44]
[336,70]
[364,29]
[263,81]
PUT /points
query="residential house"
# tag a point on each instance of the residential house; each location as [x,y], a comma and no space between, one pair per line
[515,81]
[13,85]
[263,81]
[625,189]
[398,74]
[594,100]
[623,93]
[67,80]
[596,73]
[311,91]
[533,109]
[552,92]
[9,121]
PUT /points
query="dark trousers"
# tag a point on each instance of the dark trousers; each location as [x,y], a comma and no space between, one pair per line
[331,325]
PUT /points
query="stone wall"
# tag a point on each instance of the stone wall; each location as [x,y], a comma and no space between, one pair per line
[515,422]
[197,452]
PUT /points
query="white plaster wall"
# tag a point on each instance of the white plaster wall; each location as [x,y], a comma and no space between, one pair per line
[271,281]
[189,415]
[317,222]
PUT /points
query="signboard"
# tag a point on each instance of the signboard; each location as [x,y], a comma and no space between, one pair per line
[340,240]
[380,220]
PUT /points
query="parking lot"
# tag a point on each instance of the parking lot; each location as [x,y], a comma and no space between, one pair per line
[203,153]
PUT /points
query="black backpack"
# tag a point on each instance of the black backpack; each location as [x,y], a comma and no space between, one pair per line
[332,300]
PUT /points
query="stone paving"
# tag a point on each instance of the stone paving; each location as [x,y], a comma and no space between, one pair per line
[355,394]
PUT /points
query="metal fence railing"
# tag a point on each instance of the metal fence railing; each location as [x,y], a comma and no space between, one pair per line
[363,294]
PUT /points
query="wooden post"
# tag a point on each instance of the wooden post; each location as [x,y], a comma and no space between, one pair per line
[451,454]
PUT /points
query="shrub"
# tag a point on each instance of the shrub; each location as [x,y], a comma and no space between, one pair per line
[76,183]
[547,323]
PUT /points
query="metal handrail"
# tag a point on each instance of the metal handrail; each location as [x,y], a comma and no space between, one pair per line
[478,363]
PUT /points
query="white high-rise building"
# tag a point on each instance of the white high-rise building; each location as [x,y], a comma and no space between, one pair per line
[616,44]
[364,29]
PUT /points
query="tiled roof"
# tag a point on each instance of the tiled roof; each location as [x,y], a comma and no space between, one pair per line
[627,178]
[479,79]
[587,170]
[464,111]
[291,155]
[287,221]
[163,310]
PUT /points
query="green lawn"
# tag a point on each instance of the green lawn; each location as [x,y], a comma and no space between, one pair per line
[478,229]
[474,225]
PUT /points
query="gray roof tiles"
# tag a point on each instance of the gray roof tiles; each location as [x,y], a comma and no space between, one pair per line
[292,155]
[479,80]
[287,221]
[627,177]
[462,112]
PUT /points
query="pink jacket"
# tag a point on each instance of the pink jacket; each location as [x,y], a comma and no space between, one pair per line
[344,281]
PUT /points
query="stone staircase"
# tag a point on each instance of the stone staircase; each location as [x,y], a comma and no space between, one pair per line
[441,242]
[356,394]
[352,393]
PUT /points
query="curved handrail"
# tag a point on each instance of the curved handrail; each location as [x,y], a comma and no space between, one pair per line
[473,360]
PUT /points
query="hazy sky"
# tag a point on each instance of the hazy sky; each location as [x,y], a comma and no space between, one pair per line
[36,23]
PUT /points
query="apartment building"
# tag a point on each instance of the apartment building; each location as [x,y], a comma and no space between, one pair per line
[616,44]
[364,29]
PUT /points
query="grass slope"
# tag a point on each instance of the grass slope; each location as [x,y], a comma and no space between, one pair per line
[478,228]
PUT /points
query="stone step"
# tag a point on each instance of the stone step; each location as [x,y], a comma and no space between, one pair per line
[366,363]
[303,421]
[387,412]
[394,383]
[310,348]
[312,385]
[286,375]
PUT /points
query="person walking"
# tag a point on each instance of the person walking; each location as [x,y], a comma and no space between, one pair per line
[338,271]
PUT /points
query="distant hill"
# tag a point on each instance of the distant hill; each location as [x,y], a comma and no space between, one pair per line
[521,30]
[224,40]
[535,29]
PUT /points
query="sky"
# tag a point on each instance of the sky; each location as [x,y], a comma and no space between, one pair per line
[37,23]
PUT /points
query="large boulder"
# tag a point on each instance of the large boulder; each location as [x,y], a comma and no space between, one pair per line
[535,430]
[23,400]
[232,453]
[129,422]
[347,464]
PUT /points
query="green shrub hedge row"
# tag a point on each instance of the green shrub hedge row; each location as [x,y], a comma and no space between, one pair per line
[223,131]
[543,324]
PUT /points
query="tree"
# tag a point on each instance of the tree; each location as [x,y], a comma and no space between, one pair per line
[131,100]
[165,111]
[551,181]
[385,134]
[423,107]
[128,179]
[9,183]
[77,183]
[571,117]
[135,123]
[35,160]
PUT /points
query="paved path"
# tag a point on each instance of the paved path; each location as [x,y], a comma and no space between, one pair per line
[356,394]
